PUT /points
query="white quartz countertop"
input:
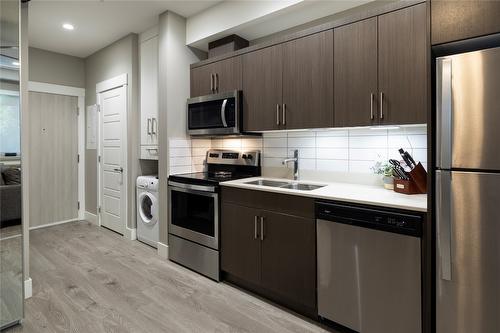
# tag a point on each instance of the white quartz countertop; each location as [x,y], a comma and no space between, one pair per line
[354,193]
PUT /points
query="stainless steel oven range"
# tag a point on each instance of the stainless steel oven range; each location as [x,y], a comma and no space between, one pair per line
[194,209]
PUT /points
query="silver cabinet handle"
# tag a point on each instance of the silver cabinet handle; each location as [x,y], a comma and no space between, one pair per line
[371,105]
[149,126]
[216,82]
[284,114]
[212,82]
[223,113]
[255,232]
[443,214]
[118,170]
[381,105]
[261,228]
[154,126]
[277,114]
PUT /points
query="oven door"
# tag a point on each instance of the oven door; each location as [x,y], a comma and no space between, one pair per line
[214,114]
[194,213]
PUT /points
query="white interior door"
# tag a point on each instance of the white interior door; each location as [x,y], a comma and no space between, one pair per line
[54,158]
[113,152]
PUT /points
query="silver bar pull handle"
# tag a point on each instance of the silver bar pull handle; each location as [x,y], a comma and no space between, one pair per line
[443,214]
[216,82]
[154,126]
[223,113]
[118,169]
[261,228]
[255,231]
[149,126]
[371,105]
[212,82]
[284,114]
[381,105]
[444,111]
[277,114]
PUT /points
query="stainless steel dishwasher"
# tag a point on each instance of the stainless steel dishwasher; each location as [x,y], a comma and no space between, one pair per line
[369,268]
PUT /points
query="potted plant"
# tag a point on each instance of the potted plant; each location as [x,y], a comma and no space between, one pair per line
[385,170]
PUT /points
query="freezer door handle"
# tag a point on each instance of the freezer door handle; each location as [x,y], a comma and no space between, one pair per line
[443,214]
[444,107]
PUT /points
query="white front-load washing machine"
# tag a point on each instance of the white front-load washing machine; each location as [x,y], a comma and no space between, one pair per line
[147,210]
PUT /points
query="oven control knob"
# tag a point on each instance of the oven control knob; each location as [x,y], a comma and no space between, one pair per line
[244,156]
[249,156]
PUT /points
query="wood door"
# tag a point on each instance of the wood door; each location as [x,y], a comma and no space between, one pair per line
[240,244]
[458,20]
[289,257]
[201,81]
[308,81]
[53,137]
[113,148]
[149,91]
[227,74]
[262,89]
[355,68]
[403,70]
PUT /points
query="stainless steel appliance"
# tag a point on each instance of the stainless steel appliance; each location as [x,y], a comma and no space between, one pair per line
[369,268]
[215,114]
[468,192]
[193,208]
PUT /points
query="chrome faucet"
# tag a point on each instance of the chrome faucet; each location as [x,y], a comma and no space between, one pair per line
[295,161]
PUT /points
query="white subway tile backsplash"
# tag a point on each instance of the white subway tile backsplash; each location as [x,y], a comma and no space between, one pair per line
[361,166]
[275,152]
[251,143]
[305,164]
[374,154]
[300,134]
[270,162]
[275,142]
[199,151]
[302,142]
[332,132]
[201,143]
[368,141]
[303,152]
[180,152]
[175,170]
[332,142]
[408,141]
[332,165]
[332,153]
[180,143]
[180,161]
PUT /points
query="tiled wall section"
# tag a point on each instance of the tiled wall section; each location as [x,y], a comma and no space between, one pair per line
[340,150]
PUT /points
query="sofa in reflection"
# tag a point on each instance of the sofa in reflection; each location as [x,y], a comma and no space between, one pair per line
[10,195]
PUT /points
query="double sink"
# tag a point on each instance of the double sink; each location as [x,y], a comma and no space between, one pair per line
[285,184]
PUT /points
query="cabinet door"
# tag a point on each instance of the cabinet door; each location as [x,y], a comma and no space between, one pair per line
[262,89]
[308,81]
[457,20]
[201,81]
[355,68]
[403,66]
[149,91]
[240,248]
[228,74]
[289,257]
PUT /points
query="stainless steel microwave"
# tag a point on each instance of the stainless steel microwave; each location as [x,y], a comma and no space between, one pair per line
[217,114]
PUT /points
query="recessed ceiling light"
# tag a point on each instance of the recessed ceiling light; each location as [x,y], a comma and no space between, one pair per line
[68,26]
[15,63]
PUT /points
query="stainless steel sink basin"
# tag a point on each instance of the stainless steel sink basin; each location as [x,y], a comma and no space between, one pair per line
[265,182]
[284,184]
[302,187]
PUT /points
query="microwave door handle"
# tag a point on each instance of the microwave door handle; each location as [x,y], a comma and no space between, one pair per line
[223,113]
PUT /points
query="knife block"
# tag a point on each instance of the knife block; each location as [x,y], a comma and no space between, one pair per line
[417,183]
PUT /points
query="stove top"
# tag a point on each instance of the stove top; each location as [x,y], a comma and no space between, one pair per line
[223,165]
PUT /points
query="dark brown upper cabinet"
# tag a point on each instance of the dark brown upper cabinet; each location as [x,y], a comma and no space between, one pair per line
[308,82]
[402,66]
[262,89]
[289,86]
[456,20]
[217,77]
[355,68]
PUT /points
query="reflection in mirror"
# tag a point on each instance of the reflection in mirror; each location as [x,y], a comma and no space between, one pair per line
[11,258]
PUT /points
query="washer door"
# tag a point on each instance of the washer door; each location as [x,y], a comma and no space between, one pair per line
[148,208]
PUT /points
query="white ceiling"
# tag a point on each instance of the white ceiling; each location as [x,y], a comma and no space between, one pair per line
[98,23]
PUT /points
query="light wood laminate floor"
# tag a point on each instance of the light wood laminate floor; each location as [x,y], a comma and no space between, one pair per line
[89,279]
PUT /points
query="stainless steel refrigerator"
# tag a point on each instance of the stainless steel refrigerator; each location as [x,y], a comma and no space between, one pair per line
[468,193]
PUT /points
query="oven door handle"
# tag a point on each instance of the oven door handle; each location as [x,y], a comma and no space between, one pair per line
[199,188]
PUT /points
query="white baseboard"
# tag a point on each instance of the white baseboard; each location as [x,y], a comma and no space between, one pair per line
[92,218]
[52,224]
[131,233]
[163,250]
[28,288]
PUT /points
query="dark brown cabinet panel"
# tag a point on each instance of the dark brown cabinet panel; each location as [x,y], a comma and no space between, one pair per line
[289,257]
[308,81]
[240,246]
[218,77]
[457,20]
[402,58]
[262,89]
[355,68]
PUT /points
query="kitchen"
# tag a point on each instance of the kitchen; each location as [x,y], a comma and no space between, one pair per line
[324,171]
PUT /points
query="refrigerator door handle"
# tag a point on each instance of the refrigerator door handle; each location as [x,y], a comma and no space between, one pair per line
[443,214]
[444,107]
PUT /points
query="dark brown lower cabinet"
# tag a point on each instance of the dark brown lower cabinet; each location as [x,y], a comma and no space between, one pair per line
[270,253]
